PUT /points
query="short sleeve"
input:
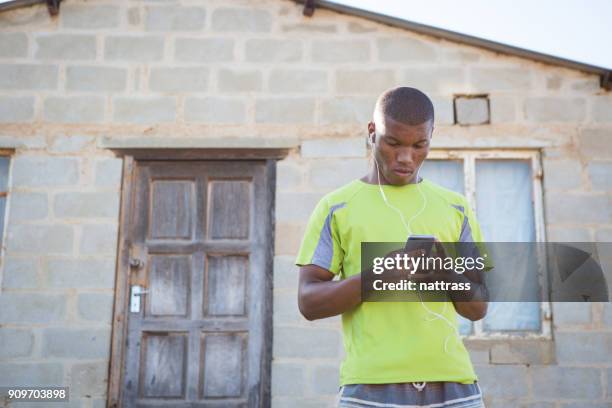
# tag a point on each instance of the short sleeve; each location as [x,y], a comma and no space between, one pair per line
[472,232]
[321,244]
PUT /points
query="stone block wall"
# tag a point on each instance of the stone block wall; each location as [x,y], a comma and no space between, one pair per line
[229,69]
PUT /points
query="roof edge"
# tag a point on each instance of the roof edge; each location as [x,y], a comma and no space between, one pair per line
[604,73]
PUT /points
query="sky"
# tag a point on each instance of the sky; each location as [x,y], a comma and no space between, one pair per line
[578,30]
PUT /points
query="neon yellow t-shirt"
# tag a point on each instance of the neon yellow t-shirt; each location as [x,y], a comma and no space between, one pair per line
[391,342]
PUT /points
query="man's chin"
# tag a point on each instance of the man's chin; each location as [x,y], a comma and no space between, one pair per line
[400,180]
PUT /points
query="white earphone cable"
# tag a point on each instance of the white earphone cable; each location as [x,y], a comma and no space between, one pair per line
[409,232]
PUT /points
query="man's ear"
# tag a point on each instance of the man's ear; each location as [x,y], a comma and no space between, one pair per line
[371,132]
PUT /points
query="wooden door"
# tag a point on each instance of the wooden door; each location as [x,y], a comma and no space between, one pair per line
[200,235]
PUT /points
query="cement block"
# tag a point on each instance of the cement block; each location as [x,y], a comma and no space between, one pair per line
[346,110]
[76,343]
[286,273]
[179,79]
[371,81]
[443,110]
[564,174]
[215,110]
[288,379]
[144,110]
[595,143]
[340,51]
[556,382]
[70,144]
[16,109]
[600,174]
[295,206]
[601,110]
[567,234]
[96,307]
[36,239]
[607,320]
[310,27]
[502,381]
[583,348]
[359,28]
[346,147]
[13,45]
[603,235]
[44,171]
[405,49]
[28,308]
[273,50]
[74,109]
[284,110]
[89,379]
[286,311]
[19,273]
[499,79]
[294,342]
[96,79]
[133,48]
[291,238]
[81,273]
[226,19]
[288,175]
[325,380]
[204,49]
[133,16]
[298,81]
[172,18]
[526,352]
[86,205]
[16,343]
[28,76]
[108,172]
[444,79]
[28,206]
[549,109]
[230,80]
[330,174]
[471,111]
[32,374]
[89,16]
[98,239]
[566,207]
[65,47]
[502,109]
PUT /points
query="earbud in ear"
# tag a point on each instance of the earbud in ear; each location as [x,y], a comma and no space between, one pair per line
[371,139]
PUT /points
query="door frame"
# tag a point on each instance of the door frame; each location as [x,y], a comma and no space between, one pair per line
[122,270]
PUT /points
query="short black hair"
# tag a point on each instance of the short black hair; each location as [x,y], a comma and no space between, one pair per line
[406,105]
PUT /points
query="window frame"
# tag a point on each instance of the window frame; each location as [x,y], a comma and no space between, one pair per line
[469,157]
[8,153]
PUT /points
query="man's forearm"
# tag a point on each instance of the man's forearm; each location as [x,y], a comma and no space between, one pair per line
[470,304]
[318,300]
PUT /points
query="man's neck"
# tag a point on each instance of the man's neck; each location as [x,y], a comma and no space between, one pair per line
[372,178]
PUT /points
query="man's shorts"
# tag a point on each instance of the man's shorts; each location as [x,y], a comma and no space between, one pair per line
[410,395]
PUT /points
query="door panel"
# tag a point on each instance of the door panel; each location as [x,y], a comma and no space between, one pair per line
[200,250]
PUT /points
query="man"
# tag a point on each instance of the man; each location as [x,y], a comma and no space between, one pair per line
[397,353]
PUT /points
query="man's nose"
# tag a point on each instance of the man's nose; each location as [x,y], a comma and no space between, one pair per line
[404,156]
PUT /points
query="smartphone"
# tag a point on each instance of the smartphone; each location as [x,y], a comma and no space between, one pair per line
[424,242]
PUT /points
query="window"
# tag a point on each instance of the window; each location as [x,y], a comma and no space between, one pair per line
[504,189]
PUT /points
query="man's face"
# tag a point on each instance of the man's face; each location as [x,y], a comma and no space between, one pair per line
[400,149]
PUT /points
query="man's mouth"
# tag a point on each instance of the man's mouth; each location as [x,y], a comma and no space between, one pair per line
[402,172]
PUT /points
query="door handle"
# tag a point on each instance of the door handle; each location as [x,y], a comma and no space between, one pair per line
[136,291]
